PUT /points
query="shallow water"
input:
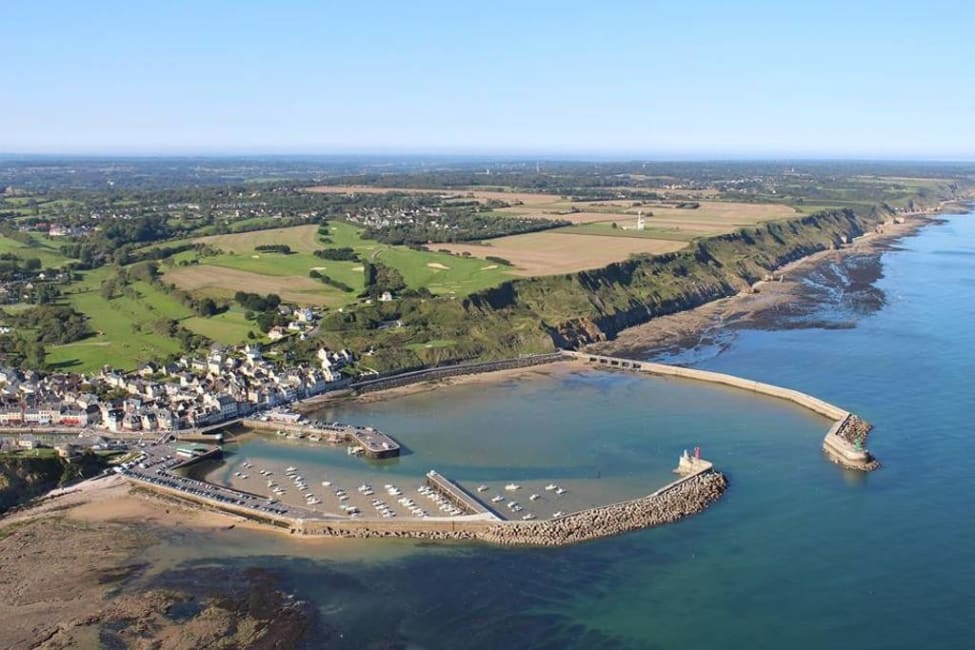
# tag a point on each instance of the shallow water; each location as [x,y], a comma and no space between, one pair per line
[798,553]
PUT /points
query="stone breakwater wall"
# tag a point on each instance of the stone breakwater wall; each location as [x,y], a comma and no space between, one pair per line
[684,497]
[844,442]
[681,499]
[431,374]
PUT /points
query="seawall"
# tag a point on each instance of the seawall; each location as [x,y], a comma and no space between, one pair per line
[844,441]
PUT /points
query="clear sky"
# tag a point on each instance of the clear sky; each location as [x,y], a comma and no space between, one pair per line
[685,78]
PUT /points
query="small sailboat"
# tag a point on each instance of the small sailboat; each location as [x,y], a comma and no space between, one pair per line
[534,497]
[511,487]
[551,486]
[482,488]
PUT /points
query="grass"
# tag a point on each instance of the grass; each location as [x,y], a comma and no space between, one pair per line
[436,343]
[229,328]
[124,326]
[287,275]
[43,248]
[607,230]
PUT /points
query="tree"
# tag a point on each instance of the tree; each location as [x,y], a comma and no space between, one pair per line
[109,287]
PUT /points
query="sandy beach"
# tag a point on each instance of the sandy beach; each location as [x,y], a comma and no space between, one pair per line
[546,370]
[93,540]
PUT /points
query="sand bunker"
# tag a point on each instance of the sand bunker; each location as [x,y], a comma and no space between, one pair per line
[438,266]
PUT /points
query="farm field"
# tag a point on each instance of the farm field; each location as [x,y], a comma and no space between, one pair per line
[553,252]
[240,268]
[592,241]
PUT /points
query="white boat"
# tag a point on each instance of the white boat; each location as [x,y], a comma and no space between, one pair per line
[511,487]
[551,486]
[291,469]
[528,516]
[533,497]
[326,483]
[560,491]
[482,488]
[557,514]
[497,499]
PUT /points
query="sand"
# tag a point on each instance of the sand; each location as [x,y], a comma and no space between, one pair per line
[74,573]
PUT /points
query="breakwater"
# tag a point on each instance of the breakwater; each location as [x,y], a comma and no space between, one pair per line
[681,498]
[844,441]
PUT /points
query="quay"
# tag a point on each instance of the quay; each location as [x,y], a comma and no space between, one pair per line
[373,443]
[843,443]
[468,503]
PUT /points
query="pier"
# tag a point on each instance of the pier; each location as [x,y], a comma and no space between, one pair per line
[457,495]
[373,442]
[843,442]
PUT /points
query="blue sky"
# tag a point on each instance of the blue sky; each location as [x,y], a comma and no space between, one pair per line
[648,79]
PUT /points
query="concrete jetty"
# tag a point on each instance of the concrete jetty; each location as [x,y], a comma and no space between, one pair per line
[373,442]
[843,443]
[468,503]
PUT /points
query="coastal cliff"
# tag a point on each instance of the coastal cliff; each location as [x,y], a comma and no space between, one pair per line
[539,314]
[25,477]
[581,308]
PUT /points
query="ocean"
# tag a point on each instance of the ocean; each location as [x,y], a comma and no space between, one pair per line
[798,553]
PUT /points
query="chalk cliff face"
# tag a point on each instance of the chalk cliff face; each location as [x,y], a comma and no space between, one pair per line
[588,306]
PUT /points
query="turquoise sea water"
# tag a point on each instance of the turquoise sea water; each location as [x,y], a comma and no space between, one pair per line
[797,554]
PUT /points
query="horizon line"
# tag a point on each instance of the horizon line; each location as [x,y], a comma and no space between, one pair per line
[550,156]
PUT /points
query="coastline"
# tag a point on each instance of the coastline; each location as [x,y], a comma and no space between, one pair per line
[688,328]
[551,369]
[126,519]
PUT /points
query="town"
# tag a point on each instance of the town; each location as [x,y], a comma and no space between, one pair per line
[189,394]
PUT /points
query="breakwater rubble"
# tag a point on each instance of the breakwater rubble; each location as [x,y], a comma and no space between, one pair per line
[687,497]
[682,498]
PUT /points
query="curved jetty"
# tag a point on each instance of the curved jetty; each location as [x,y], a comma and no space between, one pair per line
[844,442]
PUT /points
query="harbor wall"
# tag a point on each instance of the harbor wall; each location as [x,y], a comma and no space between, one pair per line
[844,441]
[681,498]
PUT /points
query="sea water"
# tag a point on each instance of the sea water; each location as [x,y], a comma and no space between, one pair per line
[798,553]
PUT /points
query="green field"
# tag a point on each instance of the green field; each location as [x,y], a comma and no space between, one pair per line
[124,334]
[287,275]
[45,249]
[607,230]
[229,328]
